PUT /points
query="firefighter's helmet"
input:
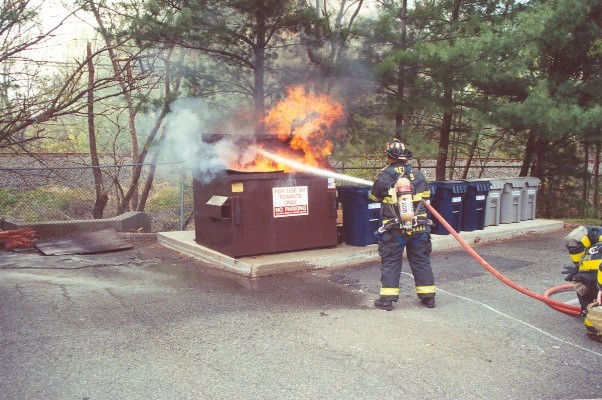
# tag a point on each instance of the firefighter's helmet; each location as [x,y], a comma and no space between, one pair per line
[398,150]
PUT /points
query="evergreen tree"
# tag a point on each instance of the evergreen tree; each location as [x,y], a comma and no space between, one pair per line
[427,58]
[238,38]
[554,103]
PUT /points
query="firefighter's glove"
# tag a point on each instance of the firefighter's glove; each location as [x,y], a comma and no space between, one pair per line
[570,272]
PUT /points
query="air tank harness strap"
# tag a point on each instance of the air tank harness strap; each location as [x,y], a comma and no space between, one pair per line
[379,234]
[405,241]
[397,223]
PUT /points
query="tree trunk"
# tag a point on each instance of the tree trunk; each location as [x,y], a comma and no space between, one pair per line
[596,180]
[150,176]
[126,83]
[448,97]
[529,152]
[444,134]
[259,70]
[585,184]
[136,169]
[401,76]
[488,154]
[471,151]
[340,37]
[540,151]
[454,145]
[101,196]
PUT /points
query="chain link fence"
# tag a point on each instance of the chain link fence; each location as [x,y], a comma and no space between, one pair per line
[368,167]
[61,188]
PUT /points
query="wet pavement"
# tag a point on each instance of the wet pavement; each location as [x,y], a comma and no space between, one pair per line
[152,323]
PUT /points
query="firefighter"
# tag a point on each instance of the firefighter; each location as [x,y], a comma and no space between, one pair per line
[584,244]
[585,251]
[593,318]
[400,188]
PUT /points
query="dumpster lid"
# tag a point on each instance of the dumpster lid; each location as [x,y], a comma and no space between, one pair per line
[217,201]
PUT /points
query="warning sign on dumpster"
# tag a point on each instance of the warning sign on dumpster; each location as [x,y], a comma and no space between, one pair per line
[290,201]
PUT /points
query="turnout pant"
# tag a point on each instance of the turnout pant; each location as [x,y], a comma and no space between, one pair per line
[586,293]
[418,250]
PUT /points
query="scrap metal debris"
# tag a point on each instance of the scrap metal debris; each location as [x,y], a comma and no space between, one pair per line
[84,243]
[18,238]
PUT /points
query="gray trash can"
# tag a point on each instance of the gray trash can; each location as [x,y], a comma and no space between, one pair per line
[511,201]
[492,202]
[529,197]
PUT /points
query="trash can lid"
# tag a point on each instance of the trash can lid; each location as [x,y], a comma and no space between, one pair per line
[516,182]
[532,181]
[455,185]
[480,184]
[354,188]
[497,183]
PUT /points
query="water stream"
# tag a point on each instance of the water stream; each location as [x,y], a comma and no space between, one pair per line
[314,170]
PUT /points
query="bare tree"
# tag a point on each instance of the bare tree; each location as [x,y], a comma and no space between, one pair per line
[30,92]
[328,39]
[141,88]
[101,195]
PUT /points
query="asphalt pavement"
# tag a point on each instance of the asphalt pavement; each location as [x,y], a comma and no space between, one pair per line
[153,323]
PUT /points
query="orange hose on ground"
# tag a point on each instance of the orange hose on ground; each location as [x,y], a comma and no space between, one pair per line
[558,305]
[561,288]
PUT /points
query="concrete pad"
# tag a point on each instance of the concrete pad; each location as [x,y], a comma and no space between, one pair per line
[341,255]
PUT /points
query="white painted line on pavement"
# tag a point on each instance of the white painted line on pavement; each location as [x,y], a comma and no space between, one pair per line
[515,319]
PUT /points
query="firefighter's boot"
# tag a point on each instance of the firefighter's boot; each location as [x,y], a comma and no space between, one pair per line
[593,322]
[383,304]
[428,302]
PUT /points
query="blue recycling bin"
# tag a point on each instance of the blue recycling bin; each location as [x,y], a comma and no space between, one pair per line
[447,199]
[474,205]
[361,216]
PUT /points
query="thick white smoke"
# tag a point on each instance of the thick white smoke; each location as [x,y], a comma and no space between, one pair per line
[187,122]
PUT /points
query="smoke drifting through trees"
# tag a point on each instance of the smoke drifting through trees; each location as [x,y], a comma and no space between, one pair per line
[187,122]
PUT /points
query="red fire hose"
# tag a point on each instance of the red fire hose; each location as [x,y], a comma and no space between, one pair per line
[558,305]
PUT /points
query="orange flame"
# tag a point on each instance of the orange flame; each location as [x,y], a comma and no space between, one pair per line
[300,123]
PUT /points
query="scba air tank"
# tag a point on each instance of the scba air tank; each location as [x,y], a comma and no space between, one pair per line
[403,189]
